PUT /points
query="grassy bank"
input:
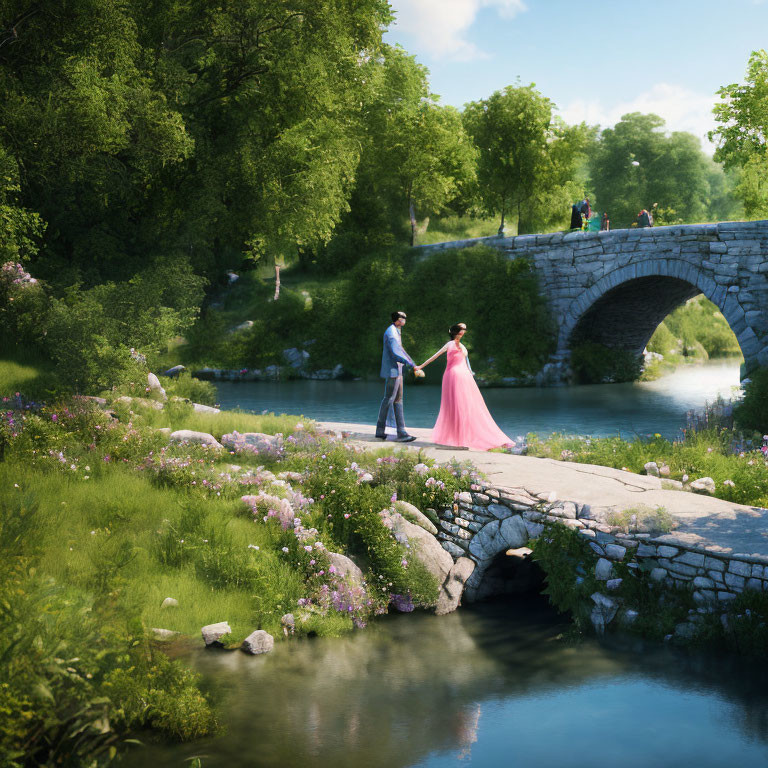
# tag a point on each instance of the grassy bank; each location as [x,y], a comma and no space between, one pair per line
[103,518]
[740,476]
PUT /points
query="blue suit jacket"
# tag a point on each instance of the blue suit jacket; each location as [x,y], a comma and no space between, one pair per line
[394,357]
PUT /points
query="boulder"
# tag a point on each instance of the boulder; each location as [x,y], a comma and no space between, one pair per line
[345,567]
[258,442]
[200,408]
[415,515]
[173,372]
[258,642]
[652,468]
[163,634]
[296,358]
[603,569]
[213,632]
[170,602]
[288,623]
[424,546]
[196,438]
[244,326]
[607,606]
[703,485]
[450,592]
[155,386]
[664,470]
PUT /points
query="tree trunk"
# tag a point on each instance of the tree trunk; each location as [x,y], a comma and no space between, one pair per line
[413,220]
[501,226]
[277,281]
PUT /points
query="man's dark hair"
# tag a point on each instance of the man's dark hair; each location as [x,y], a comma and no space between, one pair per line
[398,316]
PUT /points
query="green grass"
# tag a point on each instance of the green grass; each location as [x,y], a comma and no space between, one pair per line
[739,477]
[90,527]
[442,229]
[182,416]
[30,375]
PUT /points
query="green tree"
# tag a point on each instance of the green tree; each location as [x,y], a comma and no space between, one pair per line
[635,165]
[742,115]
[524,155]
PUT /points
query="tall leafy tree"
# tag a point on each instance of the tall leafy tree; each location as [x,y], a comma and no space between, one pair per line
[743,134]
[637,165]
[524,154]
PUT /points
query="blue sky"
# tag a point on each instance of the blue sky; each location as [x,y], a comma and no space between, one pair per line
[596,63]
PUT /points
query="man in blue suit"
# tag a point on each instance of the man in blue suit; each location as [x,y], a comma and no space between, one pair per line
[393,358]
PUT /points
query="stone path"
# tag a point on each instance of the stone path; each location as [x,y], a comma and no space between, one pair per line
[704,523]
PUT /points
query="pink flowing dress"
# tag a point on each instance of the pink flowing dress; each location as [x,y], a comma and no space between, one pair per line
[464,419]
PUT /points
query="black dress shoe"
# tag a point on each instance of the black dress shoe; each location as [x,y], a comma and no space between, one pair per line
[381,437]
[404,439]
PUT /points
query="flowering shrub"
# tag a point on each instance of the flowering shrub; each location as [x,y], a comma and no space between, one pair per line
[265,447]
[22,303]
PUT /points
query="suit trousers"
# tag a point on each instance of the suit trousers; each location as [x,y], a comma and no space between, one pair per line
[393,396]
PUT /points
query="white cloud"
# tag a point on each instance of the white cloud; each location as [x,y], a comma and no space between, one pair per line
[439,26]
[682,109]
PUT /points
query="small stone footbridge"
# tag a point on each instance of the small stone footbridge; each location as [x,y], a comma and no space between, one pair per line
[615,287]
[716,550]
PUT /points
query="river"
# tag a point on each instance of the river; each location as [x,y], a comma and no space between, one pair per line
[600,409]
[493,684]
[496,683]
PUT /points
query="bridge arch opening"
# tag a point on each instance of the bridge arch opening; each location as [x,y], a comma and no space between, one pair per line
[626,316]
[510,574]
[623,309]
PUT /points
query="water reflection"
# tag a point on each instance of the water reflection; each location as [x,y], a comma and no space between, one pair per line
[493,685]
[642,408]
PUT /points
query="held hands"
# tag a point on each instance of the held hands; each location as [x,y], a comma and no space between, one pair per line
[417,372]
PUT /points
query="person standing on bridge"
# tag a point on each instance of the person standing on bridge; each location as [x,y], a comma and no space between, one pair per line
[393,358]
[464,419]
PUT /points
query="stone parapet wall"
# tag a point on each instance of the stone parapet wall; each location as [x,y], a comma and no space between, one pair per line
[615,287]
[489,520]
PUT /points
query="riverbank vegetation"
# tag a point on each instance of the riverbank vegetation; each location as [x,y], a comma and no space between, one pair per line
[102,519]
[340,321]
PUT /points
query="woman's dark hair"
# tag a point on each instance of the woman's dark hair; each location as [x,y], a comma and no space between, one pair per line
[453,331]
[397,316]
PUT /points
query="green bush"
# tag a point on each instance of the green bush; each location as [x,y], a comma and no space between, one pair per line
[187,386]
[752,412]
[594,363]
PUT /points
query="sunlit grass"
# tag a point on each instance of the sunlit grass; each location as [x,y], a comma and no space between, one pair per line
[218,424]
[107,530]
[29,375]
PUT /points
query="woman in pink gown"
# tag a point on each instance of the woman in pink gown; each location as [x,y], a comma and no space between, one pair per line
[464,419]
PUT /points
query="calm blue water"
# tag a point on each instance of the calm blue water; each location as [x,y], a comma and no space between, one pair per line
[492,685]
[643,408]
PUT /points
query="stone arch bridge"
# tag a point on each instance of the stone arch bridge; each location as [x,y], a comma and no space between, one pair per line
[616,287]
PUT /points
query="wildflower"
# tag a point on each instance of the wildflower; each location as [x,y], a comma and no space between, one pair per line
[729,482]
[285,549]
[331,569]
[307,548]
[393,497]
[404,563]
[54,417]
[253,546]
[312,562]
